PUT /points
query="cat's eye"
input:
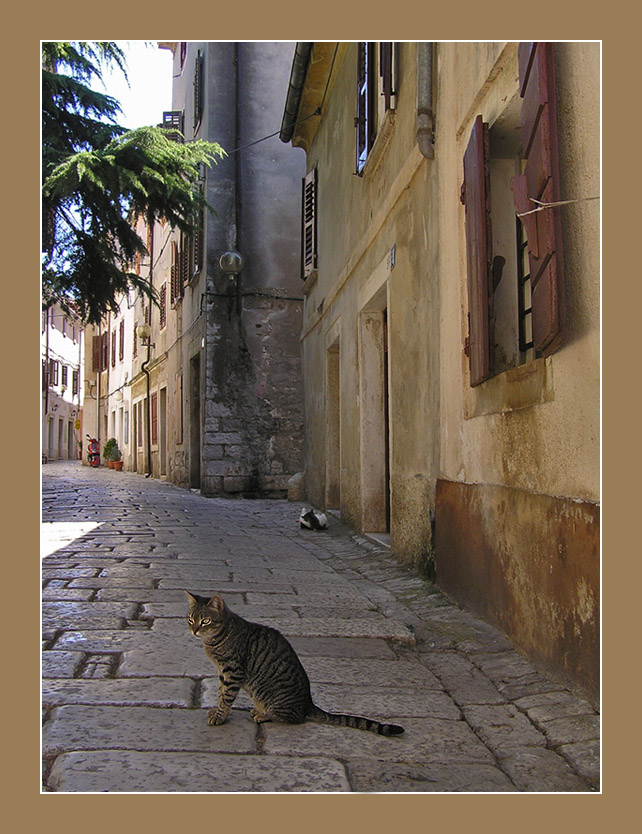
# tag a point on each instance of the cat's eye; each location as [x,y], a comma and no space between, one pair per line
[206,621]
[190,620]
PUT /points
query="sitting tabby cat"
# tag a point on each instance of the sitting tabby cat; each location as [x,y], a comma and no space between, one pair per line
[260,660]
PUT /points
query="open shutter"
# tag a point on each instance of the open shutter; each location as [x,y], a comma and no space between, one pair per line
[476,198]
[198,90]
[540,181]
[309,231]
[388,72]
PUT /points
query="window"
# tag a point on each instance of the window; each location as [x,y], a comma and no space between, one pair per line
[135,341]
[515,290]
[63,380]
[179,408]
[121,341]
[173,121]
[376,93]
[198,90]
[113,348]
[309,223]
[74,382]
[183,53]
[53,372]
[104,351]
[176,284]
[162,293]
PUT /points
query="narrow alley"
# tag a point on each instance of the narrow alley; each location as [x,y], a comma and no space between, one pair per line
[126,688]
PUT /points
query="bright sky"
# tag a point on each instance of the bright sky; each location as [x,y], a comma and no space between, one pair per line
[149,93]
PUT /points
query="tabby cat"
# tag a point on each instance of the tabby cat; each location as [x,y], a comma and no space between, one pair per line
[260,660]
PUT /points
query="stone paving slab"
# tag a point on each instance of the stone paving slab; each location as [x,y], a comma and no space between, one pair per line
[503,727]
[164,692]
[538,769]
[391,777]
[425,740]
[125,771]
[79,727]
[369,672]
[57,664]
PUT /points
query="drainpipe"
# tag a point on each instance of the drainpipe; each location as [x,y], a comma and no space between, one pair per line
[298,72]
[425,117]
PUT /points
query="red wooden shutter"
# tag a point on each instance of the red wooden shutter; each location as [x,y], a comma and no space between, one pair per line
[540,181]
[309,232]
[476,198]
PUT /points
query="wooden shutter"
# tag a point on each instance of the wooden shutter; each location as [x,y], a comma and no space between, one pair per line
[121,346]
[540,180]
[154,418]
[388,72]
[198,89]
[113,348]
[96,354]
[476,198]
[163,305]
[309,218]
[364,121]
[198,245]
[173,121]
[104,351]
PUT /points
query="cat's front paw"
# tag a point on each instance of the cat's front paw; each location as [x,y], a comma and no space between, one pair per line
[216,716]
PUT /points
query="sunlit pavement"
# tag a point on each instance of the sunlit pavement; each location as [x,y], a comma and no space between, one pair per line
[126,688]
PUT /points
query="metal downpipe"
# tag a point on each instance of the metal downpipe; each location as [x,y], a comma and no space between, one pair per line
[425,116]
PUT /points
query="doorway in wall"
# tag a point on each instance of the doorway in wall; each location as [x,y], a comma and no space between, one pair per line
[374,425]
[162,437]
[333,428]
[195,422]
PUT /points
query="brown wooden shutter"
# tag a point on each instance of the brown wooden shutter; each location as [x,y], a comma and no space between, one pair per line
[198,89]
[154,418]
[96,354]
[121,346]
[113,348]
[173,121]
[476,198]
[540,180]
[163,305]
[387,71]
[104,351]
[309,231]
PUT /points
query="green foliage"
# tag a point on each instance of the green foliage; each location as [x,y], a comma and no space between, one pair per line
[99,178]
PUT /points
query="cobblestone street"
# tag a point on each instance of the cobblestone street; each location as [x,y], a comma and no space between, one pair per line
[126,688]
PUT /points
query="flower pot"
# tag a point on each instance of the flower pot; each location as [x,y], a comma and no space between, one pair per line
[117,465]
[110,464]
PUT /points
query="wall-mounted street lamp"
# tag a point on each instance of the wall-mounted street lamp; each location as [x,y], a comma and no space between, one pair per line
[231,263]
[144,332]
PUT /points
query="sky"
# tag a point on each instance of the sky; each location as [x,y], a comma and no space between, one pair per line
[149,93]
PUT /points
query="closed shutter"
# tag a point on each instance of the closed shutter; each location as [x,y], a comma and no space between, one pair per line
[309,231]
[113,348]
[163,305]
[476,198]
[540,181]
[198,90]
[176,283]
[198,245]
[96,354]
[154,418]
[121,346]
[104,351]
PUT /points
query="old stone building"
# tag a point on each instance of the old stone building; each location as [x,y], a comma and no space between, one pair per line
[210,395]
[451,327]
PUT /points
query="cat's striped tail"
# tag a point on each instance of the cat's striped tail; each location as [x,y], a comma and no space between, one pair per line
[320,716]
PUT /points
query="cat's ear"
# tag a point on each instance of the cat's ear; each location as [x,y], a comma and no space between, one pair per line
[217,603]
[192,600]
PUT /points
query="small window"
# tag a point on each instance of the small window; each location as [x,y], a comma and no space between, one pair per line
[163,305]
[154,418]
[198,90]
[377,91]
[74,382]
[121,342]
[113,348]
[63,379]
[309,225]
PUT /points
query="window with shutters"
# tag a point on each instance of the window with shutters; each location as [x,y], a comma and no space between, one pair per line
[74,382]
[198,90]
[198,244]
[176,283]
[64,373]
[104,351]
[121,342]
[377,87]
[113,348]
[162,299]
[53,372]
[135,341]
[309,224]
[515,290]
[173,122]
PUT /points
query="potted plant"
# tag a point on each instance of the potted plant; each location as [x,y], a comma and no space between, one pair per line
[108,448]
[116,458]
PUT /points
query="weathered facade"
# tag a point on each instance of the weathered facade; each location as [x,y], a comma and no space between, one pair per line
[61,348]
[212,400]
[450,336]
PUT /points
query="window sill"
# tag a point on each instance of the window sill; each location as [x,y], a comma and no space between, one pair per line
[521,387]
